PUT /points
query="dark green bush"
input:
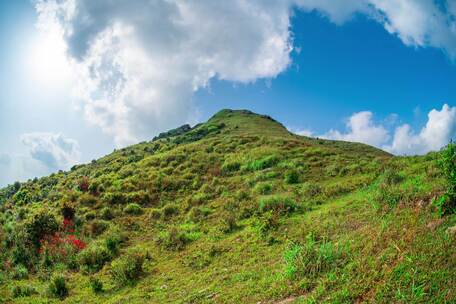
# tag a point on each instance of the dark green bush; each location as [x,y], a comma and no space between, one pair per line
[263,188]
[18,291]
[230,166]
[94,257]
[312,258]
[57,287]
[174,239]
[96,285]
[133,209]
[127,268]
[169,211]
[291,177]
[447,163]
[88,200]
[40,225]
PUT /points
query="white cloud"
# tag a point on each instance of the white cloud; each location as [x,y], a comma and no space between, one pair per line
[361,128]
[138,63]
[54,151]
[438,131]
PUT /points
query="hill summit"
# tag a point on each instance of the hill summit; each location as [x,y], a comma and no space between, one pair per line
[234,210]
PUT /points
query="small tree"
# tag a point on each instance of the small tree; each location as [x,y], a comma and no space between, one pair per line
[447,162]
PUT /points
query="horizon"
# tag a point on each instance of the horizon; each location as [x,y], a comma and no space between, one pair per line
[80,79]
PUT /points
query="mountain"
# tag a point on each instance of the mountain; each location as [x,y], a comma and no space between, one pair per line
[234,210]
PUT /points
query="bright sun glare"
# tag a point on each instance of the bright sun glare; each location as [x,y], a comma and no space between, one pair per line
[47,64]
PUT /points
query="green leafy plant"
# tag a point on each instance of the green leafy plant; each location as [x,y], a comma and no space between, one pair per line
[57,287]
[446,204]
[128,268]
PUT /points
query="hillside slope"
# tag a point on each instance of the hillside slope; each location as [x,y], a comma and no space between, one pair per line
[235,210]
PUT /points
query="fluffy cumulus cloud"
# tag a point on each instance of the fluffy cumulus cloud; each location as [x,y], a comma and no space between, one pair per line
[138,63]
[438,131]
[361,128]
[54,151]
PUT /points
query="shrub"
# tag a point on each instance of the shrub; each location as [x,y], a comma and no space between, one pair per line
[114,198]
[263,188]
[94,257]
[40,225]
[262,163]
[228,221]
[197,214]
[230,166]
[20,272]
[127,268]
[155,214]
[106,213]
[447,163]
[291,177]
[22,291]
[311,258]
[311,190]
[278,204]
[87,200]
[96,285]
[57,287]
[174,239]
[97,227]
[133,209]
[113,241]
[169,211]
[391,177]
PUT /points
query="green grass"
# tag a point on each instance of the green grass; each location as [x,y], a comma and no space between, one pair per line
[237,210]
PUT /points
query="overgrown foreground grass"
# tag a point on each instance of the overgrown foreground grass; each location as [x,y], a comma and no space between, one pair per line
[236,210]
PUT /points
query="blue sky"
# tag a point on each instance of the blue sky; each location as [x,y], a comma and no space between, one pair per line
[71,90]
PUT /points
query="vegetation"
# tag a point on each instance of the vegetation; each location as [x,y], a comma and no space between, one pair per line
[235,210]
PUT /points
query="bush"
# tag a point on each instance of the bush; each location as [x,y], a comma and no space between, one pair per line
[311,190]
[97,227]
[155,214]
[106,213]
[88,200]
[133,209]
[263,163]
[263,188]
[127,268]
[278,204]
[40,225]
[197,214]
[169,211]
[228,221]
[22,291]
[20,272]
[231,167]
[57,287]
[311,258]
[391,177]
[113,241]
[447,163]
[291,177]
[174,239]
[96,285]
[94,257]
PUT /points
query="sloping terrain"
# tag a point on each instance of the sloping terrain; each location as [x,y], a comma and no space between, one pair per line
[235,210]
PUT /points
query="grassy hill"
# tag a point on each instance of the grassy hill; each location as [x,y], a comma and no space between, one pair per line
[235,210]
